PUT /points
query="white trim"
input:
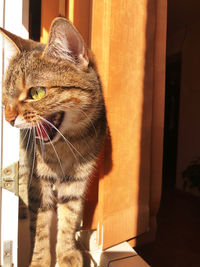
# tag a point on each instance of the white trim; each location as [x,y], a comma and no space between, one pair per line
[121,255]
[13,17]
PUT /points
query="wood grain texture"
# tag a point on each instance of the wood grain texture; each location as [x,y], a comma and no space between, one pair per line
[49,10]
[128,40]
[120,46]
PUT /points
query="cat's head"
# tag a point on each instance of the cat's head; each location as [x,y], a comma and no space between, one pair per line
[52,86]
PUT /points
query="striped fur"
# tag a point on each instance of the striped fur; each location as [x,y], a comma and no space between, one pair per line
[55,166]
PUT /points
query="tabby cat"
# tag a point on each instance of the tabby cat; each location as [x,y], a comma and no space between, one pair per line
[53,94]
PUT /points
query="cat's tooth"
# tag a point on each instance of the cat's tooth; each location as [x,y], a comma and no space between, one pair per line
[45,139]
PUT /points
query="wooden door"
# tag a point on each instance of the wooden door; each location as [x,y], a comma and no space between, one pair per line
[128,40]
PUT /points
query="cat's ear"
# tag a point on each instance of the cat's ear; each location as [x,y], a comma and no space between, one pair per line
[66,43]
[9,45]
[16,43]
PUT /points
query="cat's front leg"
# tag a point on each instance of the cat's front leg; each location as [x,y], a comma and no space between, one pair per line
[69,209]
[41,203]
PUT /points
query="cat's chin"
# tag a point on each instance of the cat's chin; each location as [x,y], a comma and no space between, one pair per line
[48,128]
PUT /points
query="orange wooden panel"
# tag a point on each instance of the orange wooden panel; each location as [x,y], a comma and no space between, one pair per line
[49,10]
[62,8]
[120,38]
[91,205]
[123,40]
[79,13]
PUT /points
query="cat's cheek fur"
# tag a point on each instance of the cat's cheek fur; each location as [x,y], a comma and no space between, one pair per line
[70,123]
[73,122]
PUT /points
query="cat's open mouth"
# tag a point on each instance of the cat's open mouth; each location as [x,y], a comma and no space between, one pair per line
[49,126]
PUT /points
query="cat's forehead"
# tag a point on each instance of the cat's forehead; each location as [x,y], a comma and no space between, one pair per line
[22,71]
[30,69]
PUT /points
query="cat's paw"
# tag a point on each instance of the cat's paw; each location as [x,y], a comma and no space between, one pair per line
[72,258]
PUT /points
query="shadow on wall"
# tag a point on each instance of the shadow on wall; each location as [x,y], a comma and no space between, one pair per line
[35,19]
[152,116]
[191,177]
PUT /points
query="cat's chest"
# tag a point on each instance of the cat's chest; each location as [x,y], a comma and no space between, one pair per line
[53,166]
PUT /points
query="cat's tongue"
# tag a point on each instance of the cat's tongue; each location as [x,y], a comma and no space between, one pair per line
[44,131]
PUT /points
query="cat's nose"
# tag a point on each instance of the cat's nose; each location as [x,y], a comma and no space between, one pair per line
[11,115]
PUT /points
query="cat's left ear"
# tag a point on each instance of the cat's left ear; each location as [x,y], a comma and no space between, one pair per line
[66,43]
[16,43]
[7,40]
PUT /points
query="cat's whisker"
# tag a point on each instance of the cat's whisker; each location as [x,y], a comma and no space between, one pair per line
[41,141]
[89,120]
[43,145]
[34,154]
[67,141]
[87,117]
[29,136]
[54,151]
[23,137]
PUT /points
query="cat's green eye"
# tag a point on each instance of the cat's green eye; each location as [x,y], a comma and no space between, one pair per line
[37,93]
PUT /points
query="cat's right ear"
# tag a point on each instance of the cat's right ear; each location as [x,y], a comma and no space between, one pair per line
[66,43]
